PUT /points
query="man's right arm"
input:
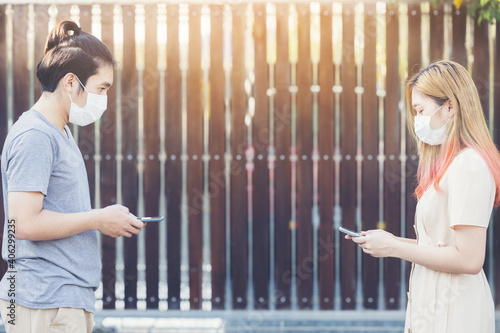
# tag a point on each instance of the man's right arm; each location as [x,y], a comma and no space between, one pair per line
[32,222]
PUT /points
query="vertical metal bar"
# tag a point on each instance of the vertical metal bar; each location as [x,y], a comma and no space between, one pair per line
[140,32]
[129,140]
[239,205]
[162,67]
[31,54]
[469,42]
[425,33]
[414,63]
[250,152]
[448,32]
[293,48]
[459,35]
[205,67]
[359,59]
[3,110]
[173,164]
[403,73]
[347,163]
[369,170]
[315,37]
[326,186]
[337,89]
[305,149]
[491,81]
[19,60]
[217,139]
[381,92]
[52,17]
[271,60]
[496,138]
[491,119]
[9,43]
[392,143]
[96,31]
[151,189]
[184,52]
[118,54]
[260,183]
[279,115]
[228,65]
[74,12]
[437,37]
[3,89]
[107,168]
[194,164]
[140,55]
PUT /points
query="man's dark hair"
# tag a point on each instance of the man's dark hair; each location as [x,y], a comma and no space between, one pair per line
[69,49]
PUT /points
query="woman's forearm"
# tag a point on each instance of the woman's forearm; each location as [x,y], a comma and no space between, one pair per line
[407,240]
[444,259]
[465,255]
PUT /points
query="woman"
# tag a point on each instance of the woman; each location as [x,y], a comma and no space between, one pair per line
[458,185]
[50,239]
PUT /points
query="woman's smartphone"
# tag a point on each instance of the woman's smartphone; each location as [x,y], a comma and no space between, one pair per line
[151,219]
[350,232]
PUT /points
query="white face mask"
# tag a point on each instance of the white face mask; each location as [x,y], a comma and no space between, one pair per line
[91,112]
[426,134]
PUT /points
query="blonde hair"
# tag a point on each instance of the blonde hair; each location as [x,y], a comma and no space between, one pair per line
[443,81]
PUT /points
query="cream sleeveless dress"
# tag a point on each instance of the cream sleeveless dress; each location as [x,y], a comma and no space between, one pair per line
[441,302]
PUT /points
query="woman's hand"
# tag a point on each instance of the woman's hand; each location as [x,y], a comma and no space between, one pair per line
[377,243]
[466,256]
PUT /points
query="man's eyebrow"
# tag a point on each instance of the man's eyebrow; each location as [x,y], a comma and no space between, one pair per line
[106,84]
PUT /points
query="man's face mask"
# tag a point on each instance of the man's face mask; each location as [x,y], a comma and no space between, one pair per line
[91,112]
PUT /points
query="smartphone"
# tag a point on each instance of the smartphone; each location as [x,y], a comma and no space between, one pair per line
[350,232]
[151,219]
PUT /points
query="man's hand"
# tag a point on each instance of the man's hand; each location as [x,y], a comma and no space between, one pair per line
[116,221]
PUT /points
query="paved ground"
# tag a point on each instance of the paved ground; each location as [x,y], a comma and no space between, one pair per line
[250,321]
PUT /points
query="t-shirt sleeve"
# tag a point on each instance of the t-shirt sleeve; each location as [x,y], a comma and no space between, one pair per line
[30,162]
[471,191]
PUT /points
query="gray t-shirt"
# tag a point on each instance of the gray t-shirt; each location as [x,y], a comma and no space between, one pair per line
[38,157]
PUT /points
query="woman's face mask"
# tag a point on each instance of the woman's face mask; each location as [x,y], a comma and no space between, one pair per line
[425,133]
[91,112]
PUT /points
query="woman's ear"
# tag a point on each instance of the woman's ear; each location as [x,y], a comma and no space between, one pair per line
[449,111]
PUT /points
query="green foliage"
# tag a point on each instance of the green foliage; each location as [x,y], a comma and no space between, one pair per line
[487,10]
[484,10]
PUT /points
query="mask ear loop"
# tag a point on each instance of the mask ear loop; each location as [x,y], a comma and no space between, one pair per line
[439,108]
[446,124]
[81,84]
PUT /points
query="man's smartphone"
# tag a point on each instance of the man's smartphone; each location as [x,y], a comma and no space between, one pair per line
[350,232]
[151,219]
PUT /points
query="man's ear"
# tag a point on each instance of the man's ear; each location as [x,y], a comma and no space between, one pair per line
[68,82]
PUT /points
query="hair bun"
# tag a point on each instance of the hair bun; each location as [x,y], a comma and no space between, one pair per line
[61,31]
